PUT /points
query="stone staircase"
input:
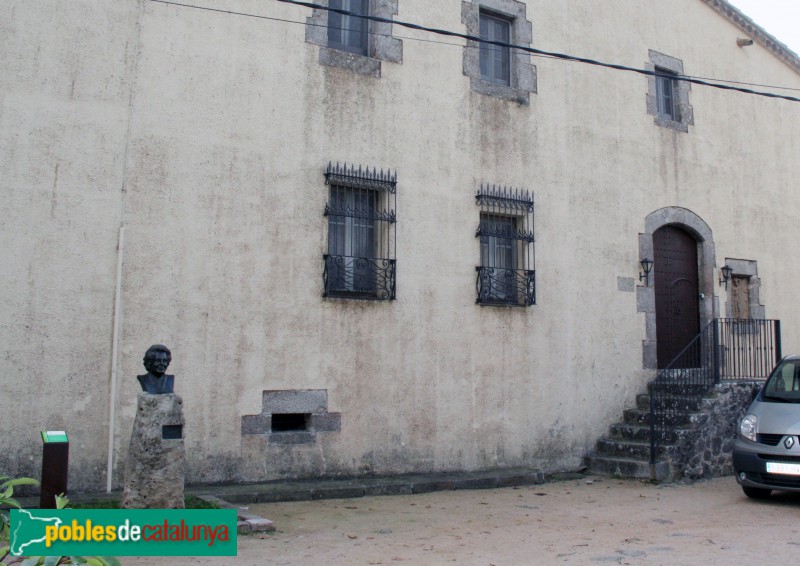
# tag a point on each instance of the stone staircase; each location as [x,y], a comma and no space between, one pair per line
[625,451]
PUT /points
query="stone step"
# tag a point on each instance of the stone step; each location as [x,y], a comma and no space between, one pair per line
[642,417]
[633,449]
[626,431]
[627,468]
[684,388]
[691,375]
[678,402]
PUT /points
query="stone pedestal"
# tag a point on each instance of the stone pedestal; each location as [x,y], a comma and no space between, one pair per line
[155,470]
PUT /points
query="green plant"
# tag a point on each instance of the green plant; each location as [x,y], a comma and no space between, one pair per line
[7,486]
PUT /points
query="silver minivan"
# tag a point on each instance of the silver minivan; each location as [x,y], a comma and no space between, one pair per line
[766,454]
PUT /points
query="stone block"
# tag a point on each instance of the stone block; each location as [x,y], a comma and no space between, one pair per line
[476,483]
[326,422]
[257,524]
[293,437]
[649,354]
[427,486]
[645,298]
[295,401]
[156,467]
[626,284]
[338,492]
[256,424]
[388,489]
[243,527]
[520,479]
[300,494]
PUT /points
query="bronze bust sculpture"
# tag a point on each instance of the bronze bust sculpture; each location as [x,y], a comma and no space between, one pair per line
[156,360]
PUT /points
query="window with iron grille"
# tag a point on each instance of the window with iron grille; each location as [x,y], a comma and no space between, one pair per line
[361,212]
[346,32]
[507,272]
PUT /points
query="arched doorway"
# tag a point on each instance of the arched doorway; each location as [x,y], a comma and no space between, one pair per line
[688,225]
[676,291]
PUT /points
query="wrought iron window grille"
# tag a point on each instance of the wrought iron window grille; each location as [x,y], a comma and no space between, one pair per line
[361,259]
[506,275]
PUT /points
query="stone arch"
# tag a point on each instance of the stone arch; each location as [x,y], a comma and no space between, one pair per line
[706,261]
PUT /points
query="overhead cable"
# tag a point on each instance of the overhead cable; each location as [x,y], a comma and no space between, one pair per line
[525,48]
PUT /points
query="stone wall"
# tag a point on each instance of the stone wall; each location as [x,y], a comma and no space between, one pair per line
[183,153]
[705,451]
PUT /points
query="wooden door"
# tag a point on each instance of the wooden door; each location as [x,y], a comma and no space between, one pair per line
[740,296]
[676,290]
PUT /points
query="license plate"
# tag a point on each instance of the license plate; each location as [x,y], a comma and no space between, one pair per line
[781,468]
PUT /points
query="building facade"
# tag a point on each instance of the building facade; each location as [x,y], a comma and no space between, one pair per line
[375,249]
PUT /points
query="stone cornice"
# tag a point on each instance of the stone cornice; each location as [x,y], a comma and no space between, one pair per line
[756,33]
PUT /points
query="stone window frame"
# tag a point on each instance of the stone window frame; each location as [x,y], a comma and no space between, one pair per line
[382,46]
[523,72]
[745,268]
[659,61]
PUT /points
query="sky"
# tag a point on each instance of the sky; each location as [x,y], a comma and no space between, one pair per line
[781,18]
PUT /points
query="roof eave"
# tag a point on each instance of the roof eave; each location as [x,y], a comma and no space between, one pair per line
[756,32]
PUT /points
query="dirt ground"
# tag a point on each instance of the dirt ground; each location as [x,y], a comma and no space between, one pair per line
[586,521]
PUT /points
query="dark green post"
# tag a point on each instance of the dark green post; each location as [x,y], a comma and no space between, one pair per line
[55,462]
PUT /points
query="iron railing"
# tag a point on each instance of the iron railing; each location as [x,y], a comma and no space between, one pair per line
[727,349]
[359,277]
[362,233]
[512,287]
[507,259]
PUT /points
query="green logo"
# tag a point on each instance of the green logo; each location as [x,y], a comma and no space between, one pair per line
[123,532]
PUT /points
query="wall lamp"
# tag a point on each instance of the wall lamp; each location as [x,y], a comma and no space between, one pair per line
[647,265]
[743,42]
[726,275]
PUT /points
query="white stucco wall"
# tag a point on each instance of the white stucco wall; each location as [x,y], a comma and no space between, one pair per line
[206,135]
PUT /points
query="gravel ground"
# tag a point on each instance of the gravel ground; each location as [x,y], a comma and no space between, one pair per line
[586,521]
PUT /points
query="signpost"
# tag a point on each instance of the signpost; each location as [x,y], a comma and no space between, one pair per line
[55,463]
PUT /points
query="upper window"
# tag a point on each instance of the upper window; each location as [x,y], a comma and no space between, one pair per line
[665,92]
[349,32]
[506,274]
[495,59]
[360,263]
[499,70]
[352,42]
[668,96]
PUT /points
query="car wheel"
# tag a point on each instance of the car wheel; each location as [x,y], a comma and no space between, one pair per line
[756,492]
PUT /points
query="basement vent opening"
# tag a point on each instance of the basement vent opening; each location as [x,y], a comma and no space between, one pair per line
[290,422]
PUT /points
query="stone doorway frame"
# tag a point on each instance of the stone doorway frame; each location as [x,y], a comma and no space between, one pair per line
[706,261]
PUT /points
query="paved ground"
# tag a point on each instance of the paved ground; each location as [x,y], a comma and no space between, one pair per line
[580,521]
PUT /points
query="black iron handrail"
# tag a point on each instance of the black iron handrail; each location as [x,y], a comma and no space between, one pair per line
[727,349]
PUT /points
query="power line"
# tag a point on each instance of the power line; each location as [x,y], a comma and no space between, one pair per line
[537,52]
[533,50]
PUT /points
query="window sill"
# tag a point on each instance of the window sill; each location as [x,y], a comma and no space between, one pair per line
[355,62]
[671,124]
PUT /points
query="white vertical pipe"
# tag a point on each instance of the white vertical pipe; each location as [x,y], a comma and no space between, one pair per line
[114,350]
